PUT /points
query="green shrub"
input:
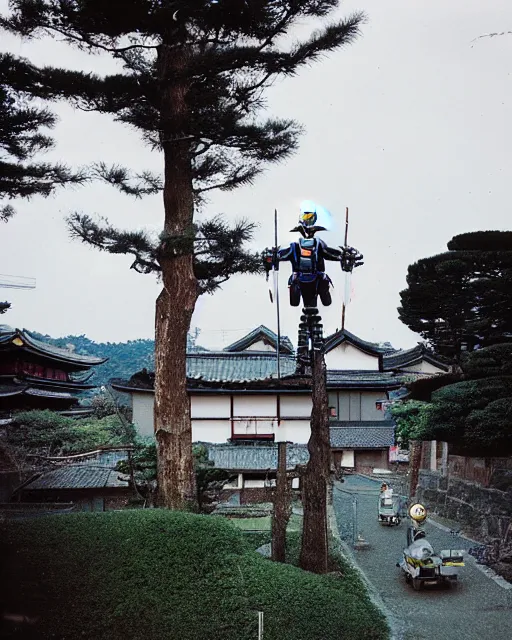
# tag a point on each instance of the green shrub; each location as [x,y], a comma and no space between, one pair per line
[156,574]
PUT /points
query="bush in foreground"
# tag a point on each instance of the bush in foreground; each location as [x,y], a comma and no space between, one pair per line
[156,574]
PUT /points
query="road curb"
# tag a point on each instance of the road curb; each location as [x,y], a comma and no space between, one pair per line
[396,626]
[487,571]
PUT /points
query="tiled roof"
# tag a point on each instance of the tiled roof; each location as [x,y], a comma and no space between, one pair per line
[78,477]
[343,335]
[266,335]
[237,367]
[409,357]
[8,334]
[362,379]
[258,457]
[362,435]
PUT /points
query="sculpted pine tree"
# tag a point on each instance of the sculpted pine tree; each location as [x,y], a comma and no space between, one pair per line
[462,297]
[192,83]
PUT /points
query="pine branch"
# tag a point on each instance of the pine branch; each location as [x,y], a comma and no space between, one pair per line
[107,238]
[138,185]
[4,306]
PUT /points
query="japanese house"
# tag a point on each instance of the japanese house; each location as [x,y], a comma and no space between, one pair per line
[236,397]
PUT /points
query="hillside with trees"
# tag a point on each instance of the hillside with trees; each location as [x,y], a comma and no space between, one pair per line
[124,358]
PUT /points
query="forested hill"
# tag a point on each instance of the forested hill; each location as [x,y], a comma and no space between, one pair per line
[124,358]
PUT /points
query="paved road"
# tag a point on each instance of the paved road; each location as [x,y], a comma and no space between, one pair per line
[476,609]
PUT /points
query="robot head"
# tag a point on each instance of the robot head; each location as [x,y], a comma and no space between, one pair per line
[418,513]
[308,219]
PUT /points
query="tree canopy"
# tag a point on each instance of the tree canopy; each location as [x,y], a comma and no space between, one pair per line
[462,298]
[23,134]
[474,413]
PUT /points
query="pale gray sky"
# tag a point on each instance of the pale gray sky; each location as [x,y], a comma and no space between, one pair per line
[410,127]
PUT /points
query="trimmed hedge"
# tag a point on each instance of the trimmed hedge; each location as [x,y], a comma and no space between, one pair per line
[154,574]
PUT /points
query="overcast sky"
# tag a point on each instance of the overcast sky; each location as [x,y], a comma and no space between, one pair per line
[410,127]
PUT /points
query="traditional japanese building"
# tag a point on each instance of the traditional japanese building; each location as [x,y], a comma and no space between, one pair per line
[37,375]
[236,397]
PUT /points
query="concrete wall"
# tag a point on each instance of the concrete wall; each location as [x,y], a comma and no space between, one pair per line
[423,367]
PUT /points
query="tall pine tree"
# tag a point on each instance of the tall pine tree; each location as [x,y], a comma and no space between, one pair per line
[193,79]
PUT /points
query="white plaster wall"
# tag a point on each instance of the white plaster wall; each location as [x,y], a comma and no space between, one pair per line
[216,431]
[347,458]
[424,367]
[346,356]
[142,405]
[296,431]
[210,406]
[261,346]
[255,405]
[295,406]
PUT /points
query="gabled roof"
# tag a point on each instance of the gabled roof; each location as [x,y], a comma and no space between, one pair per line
[253,458]
[371,348]
[374,434]
[410,357]
[261,334]
[31,344]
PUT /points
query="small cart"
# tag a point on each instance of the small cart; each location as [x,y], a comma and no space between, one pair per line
[389,508]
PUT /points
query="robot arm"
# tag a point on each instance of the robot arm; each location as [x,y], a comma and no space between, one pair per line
[272,257]
[350,259]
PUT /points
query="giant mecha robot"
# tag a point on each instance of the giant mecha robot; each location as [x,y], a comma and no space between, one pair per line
[309,281]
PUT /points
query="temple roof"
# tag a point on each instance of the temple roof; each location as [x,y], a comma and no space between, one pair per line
[261,334]
[21,339]
[17,389]
[372,348]
[371,434]
[410,357]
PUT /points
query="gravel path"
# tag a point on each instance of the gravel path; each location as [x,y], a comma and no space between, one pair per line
[476,609]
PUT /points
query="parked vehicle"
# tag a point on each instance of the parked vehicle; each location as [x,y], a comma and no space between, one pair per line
[389,507]
[421,565]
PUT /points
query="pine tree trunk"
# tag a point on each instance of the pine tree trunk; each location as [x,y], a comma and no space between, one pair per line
[176,302]
[282,507]
[314,552]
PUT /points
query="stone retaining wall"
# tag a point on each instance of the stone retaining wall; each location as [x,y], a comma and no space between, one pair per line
[485,512]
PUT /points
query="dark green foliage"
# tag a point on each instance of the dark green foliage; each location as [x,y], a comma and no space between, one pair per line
[21,138]
[4,306]
[50,434]
[156,574]
[410,420]
[464,296]
[490,362]
[475,413]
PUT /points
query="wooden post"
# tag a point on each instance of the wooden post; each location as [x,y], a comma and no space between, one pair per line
[282,507]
